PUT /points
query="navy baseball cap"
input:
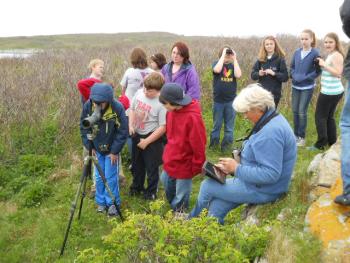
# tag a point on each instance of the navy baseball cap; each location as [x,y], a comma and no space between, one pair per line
[174,93]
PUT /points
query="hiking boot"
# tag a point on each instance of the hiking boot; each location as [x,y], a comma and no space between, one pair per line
[343,199]
[101,209]
[112,211]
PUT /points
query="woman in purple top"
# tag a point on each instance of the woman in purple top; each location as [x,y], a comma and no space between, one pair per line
[181,71]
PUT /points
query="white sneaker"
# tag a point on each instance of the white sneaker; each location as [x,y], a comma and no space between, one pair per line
[301,142]
[181,215]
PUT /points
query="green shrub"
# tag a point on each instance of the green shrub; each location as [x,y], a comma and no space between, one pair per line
[157,238]
[33,194]
[17,183]
[34,165]
[40,139]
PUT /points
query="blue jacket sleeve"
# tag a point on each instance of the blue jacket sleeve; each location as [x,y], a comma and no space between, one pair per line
[122,133]
[268,167]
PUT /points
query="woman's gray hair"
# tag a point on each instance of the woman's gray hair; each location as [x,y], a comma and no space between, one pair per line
[254,96]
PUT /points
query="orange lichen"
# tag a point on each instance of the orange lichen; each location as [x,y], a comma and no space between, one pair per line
[327,220]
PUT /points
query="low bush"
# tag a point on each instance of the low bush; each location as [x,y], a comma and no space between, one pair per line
[35,165]
[162,238]
[33,194]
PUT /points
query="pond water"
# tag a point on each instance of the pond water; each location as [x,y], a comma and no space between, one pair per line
[17,53]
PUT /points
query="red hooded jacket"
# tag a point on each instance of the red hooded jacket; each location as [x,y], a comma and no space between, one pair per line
[84,87]
[184,153]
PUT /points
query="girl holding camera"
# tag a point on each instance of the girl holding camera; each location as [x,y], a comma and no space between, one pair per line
[270,70]
[331,92]
[225,72]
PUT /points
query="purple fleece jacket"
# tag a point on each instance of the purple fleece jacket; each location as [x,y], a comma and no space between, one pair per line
[187,77]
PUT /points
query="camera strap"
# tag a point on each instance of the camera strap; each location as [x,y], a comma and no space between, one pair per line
[257,127]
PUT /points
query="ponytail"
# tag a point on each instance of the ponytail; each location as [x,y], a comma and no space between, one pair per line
[311,34]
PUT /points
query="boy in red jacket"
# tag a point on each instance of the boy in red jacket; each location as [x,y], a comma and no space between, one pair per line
[84,86]
[184,153]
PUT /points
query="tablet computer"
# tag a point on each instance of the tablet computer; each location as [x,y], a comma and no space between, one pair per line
[214,172]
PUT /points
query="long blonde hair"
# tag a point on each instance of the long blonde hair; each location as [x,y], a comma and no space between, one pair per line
[338,46]
[262,57]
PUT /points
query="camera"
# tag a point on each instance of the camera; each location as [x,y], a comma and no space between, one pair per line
[316,61]
[236,154]
[88,122]
[229,51]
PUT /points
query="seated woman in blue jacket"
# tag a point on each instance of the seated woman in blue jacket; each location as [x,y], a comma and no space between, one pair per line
[267,159]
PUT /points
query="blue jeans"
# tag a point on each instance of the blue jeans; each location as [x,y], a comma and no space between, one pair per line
[345,142]
[300,103]
[177,191]
[223,112]
[111,172]
[219,199]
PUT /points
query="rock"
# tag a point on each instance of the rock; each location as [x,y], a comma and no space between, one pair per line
[329,169]
[249,215]
[314,165]
[327,220]
[260,260]
[316,192]
[283,214]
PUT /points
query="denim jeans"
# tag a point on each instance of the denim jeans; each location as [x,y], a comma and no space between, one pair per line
[219,199]
[300,103]
[111,172]
[223,112]
[345,142]
[177,191]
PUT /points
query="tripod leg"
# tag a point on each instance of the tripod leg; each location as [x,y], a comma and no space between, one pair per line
[102,175]
[74,205]
[83,194]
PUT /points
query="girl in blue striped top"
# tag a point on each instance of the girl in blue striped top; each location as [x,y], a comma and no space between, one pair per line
[331,92]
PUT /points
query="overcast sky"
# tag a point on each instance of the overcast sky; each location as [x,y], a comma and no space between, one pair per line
[210,18]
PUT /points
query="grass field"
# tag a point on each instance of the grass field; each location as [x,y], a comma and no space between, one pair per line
[40,150]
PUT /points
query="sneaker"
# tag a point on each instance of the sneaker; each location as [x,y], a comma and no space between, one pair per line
[148,196]
[112,211]
[301,142]
[181,215]
[343,199]
[101,209]
[312,148]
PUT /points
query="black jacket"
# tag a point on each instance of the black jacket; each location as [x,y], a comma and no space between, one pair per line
[345,18]
[271,83]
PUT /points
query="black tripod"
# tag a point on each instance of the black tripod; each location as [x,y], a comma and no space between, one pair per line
[82,187]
